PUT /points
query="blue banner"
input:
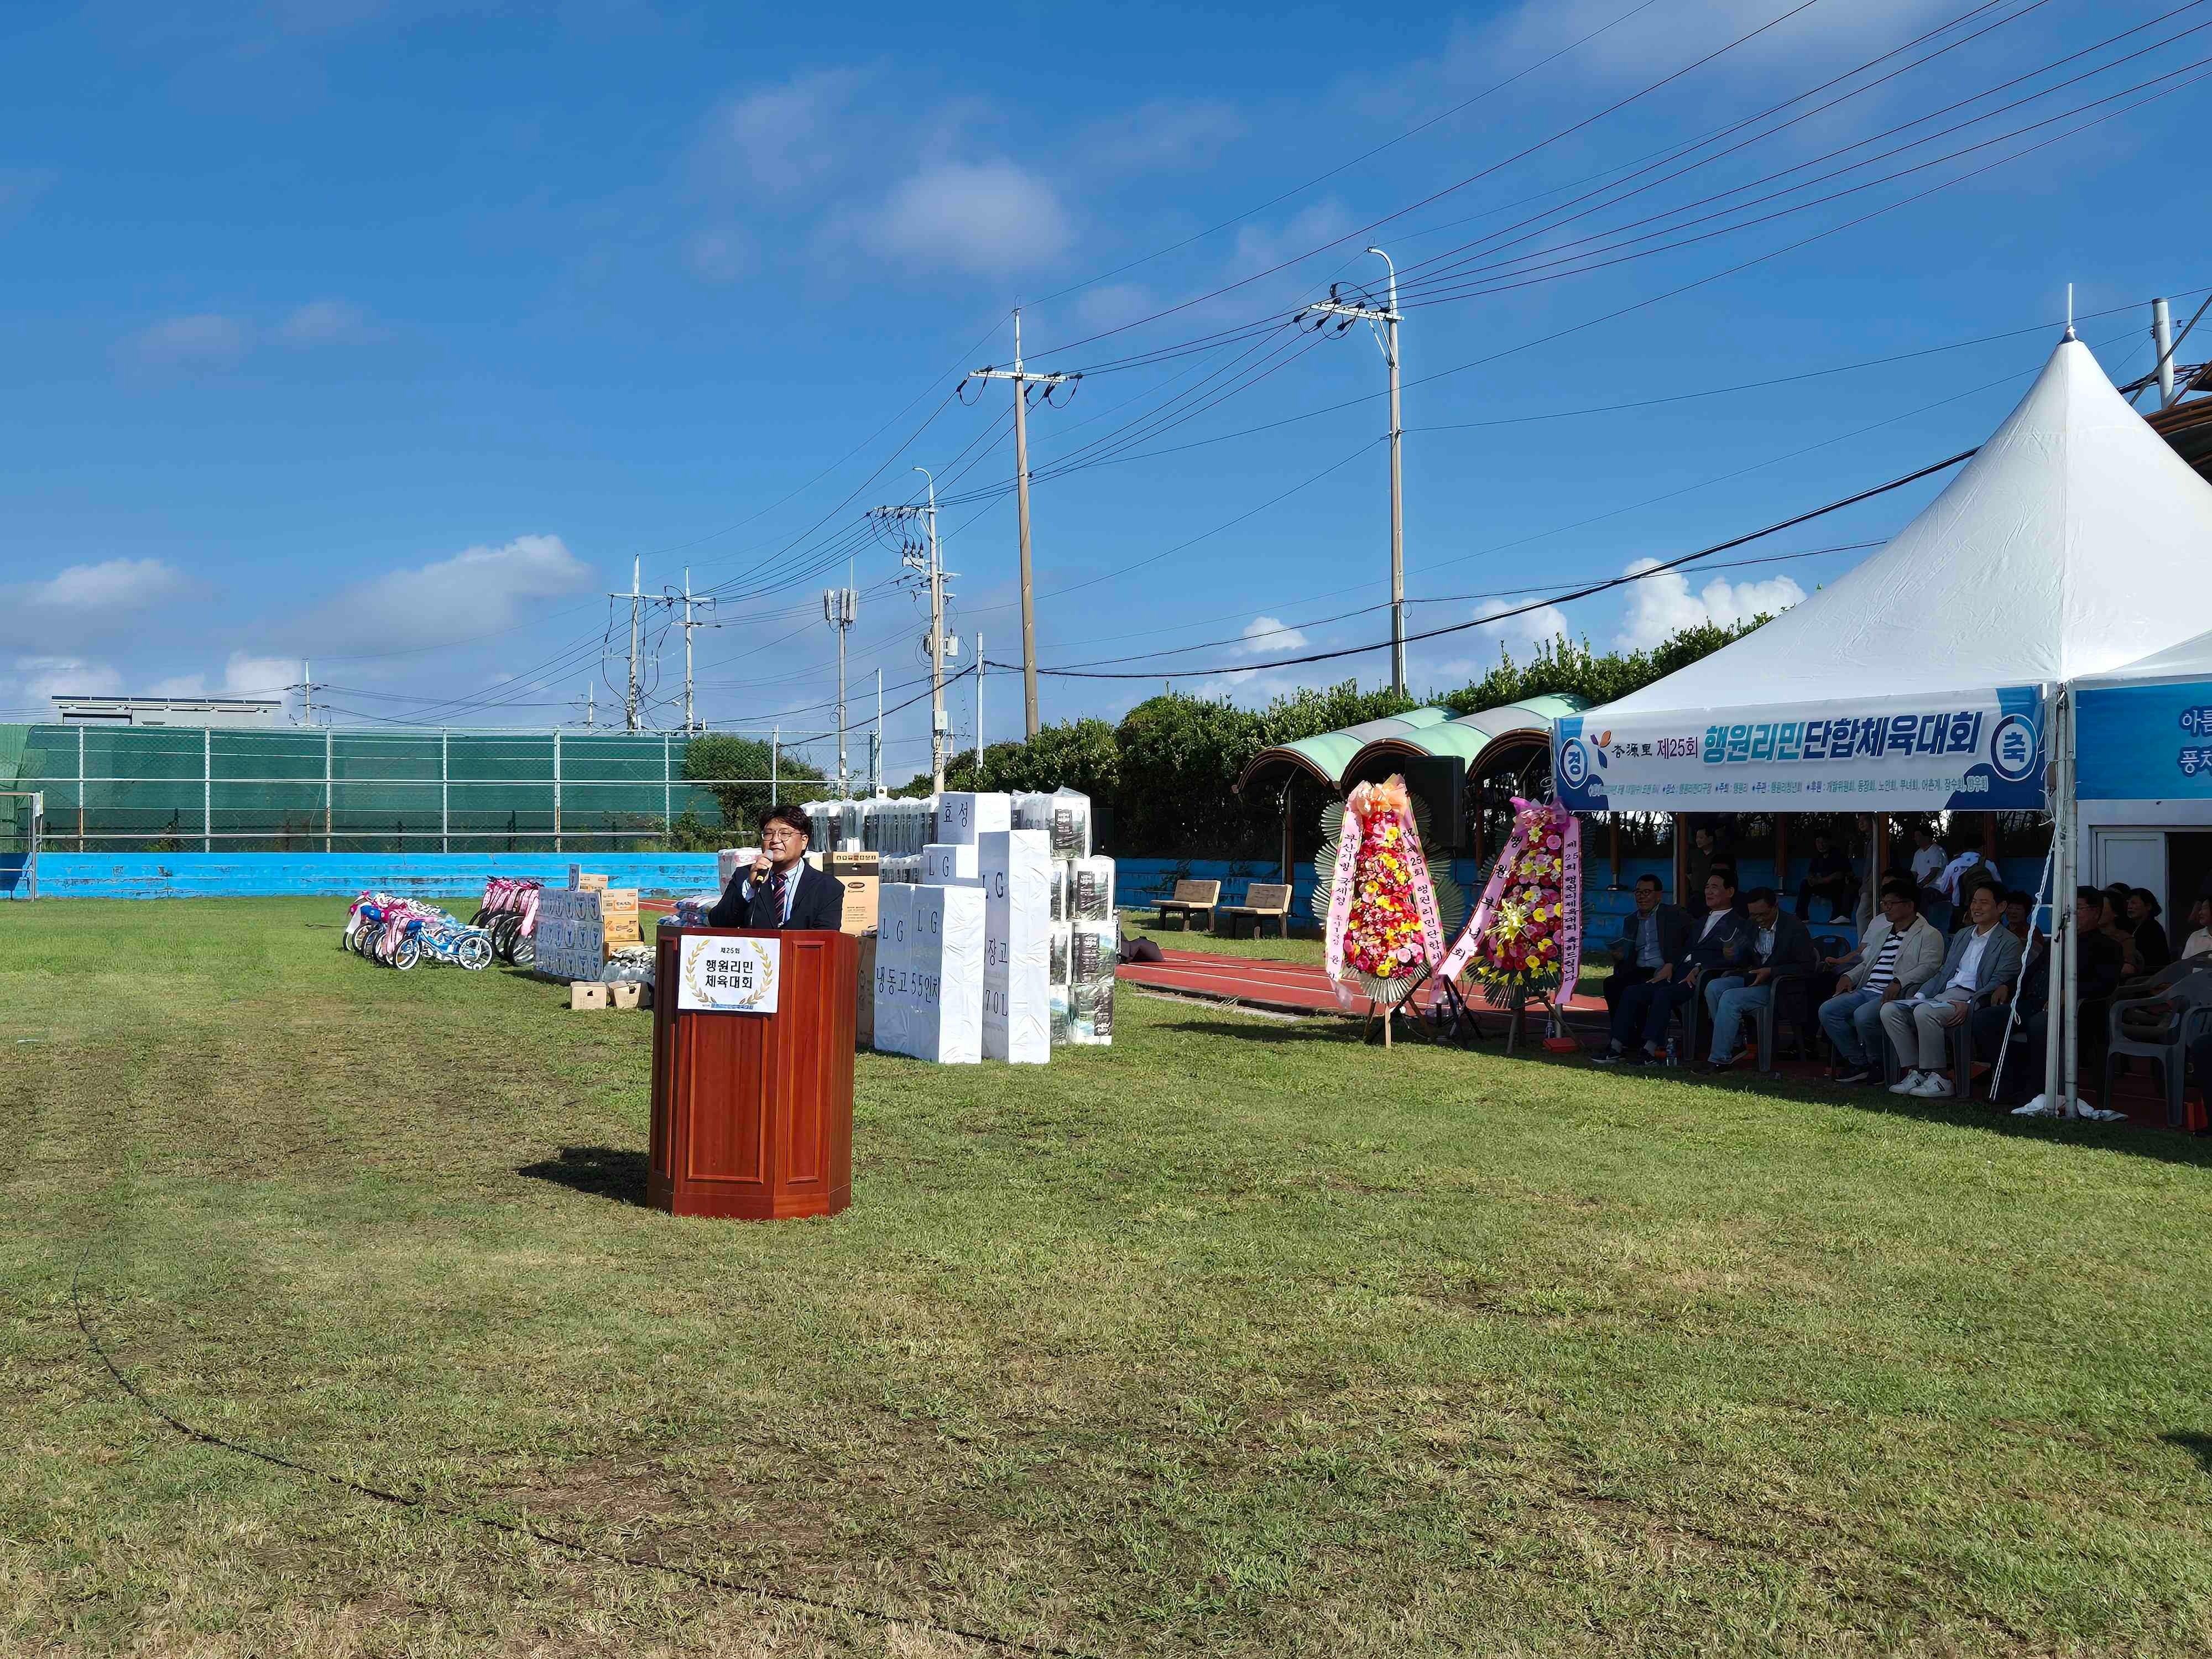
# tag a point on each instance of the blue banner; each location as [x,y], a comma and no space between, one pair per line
[2144,742]
[1958,751]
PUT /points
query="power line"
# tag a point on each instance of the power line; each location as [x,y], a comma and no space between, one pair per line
[1557,599]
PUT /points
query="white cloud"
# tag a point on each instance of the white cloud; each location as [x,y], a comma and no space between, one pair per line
[325,322]
[478,591]
[1114,304]
[1663,606]
[1260,248]
[1264,636]
[1161,135]
[112,585]
[203,343]
[44,677]
[245,676]
[983,217]
[179,685]
[780,139]
[1525,631]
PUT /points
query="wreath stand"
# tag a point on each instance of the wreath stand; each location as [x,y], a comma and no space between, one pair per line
[1386,1008]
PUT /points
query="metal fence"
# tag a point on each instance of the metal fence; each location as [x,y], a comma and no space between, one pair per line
[177,788]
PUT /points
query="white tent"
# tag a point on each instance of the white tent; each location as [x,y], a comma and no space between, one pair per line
[2073,544]
[2075,541]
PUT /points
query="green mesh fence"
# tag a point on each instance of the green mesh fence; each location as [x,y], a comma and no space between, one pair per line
[183,788]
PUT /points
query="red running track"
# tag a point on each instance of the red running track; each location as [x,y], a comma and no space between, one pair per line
[1288,987]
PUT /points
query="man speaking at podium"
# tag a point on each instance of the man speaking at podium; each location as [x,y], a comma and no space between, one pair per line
[782,890]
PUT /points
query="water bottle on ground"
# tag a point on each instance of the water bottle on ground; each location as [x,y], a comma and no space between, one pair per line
[1673,1051]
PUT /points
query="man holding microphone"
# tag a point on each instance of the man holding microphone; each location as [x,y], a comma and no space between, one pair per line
[781,890]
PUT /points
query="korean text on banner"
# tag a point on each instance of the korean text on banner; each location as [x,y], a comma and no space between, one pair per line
[723,976]
[1958,751]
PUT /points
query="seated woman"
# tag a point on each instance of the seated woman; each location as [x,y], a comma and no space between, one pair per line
[2152,951]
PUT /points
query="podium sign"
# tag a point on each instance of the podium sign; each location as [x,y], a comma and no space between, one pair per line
[723,974]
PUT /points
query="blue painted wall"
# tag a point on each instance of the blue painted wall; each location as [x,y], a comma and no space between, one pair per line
[240,875]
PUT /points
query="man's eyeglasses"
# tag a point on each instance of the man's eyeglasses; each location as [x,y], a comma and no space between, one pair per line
[779,835]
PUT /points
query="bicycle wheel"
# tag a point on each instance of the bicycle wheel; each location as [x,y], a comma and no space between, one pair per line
[473,952]
[504,933]
[524,952]
[406,953]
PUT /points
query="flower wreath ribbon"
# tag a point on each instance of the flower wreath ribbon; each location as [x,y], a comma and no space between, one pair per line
[1555,820]
[1367,801]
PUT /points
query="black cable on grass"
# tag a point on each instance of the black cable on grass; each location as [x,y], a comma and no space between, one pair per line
[515,1528]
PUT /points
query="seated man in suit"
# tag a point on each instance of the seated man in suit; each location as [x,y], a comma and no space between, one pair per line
[782,890]
[1641,1012]
[1984,956]
[1780,944]
[1652,935]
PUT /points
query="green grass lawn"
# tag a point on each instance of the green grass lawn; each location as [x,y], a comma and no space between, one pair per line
[1237,1337]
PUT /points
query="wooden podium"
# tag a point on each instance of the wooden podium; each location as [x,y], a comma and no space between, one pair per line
[753,1113]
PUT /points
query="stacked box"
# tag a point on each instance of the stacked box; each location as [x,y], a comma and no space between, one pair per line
[1065,814]
[730,861]
[1017,866]
[1095,954]
[907,871]
[1090,889]
[945,1010]
[962,817]
[951,864]
[894,967]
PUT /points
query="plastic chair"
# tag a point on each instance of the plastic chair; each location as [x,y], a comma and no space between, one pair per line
[2193,992]
[1763,1019]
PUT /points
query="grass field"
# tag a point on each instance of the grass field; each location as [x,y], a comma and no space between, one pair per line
[1238,1338]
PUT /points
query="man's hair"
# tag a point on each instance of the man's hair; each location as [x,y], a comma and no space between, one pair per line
[2020,896]
[1653,880]
[2090,895]
[1994,889]
[1724,873]
[794,816]
[1895,889]
[1759,895]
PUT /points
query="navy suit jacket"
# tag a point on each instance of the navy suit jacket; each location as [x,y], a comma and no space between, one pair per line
[819,903]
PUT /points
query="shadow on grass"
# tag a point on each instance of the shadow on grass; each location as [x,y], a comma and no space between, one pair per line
[2198,1446]
[600,1172]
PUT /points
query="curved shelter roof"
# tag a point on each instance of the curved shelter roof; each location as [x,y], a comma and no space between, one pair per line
[1331,758]
[1468,735]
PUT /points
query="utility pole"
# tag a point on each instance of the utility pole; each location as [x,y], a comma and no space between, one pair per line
[927,559]
[2161,339]
[841,609]
[634,596]
[1384,320]
[691,725]
[979,711]
[876,759]
[306,688]
[1023,380]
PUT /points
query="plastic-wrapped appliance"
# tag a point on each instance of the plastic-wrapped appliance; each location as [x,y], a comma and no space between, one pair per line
[1017,866]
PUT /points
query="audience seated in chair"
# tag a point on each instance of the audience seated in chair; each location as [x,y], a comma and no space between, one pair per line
[2097,975]
[1779,944]
[1900,951]
[1984,956]
[2020,913]
[2153,952]
[1829,876]
[2200,918]
[1640,1013]
[1653,936]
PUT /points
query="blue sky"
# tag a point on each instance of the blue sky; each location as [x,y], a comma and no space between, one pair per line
[386,332]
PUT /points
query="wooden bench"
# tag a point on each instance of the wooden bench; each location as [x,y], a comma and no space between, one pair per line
[1262,899]
[1192,898]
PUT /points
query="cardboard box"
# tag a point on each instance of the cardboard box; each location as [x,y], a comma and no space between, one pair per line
[861,896]
[587,993]
[893,967]
[587,882]
[864,1022]
[624,996]
[951,864]
[962,817]
[1018,868]
[618,915]
[841,865]
[945,1010]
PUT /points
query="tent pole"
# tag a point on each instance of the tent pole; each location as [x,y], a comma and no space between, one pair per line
[2057,1012]
[2072,963]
